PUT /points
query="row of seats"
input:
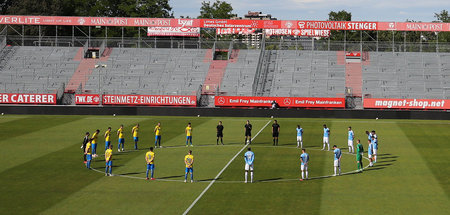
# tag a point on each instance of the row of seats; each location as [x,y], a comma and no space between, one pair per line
[407,75]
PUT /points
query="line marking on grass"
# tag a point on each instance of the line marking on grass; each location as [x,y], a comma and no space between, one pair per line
[221,171]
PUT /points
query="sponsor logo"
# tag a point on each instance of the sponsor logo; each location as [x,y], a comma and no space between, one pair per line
[391,25]
[81,21]
[185,22]
[221,100]
[301,24]
[288,24]
[254,24]
[287,101]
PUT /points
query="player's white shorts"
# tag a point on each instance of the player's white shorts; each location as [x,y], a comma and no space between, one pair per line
[375,151]
[325,140]
[350,142]
[248,167]
[337,163]
[299,138]
[304,167]
[369,156]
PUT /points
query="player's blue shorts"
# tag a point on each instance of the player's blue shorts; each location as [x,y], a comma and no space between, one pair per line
[88,157]
[189,138]
[136,139]
[158,137]
[150,166]
[107,143]
[121,140]
[109,163]
[191,170]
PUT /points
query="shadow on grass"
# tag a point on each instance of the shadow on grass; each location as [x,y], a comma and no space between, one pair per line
[270,179]
[390,157]
[374,168]
[208,179]
[382,165]
[386,161]
[132,173]
[169,177]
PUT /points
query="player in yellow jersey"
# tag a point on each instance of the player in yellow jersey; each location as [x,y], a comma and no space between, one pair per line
[94,143]
[188,131]
[88,153]
[107,138]
[158,135]
[135,133]
[121,138]
[108,160]
[150,159]
[189,161]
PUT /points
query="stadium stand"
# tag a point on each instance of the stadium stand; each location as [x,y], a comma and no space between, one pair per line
[28,69]
[407,75]
[150,71]
[239,75]
[161,71]
[305,74]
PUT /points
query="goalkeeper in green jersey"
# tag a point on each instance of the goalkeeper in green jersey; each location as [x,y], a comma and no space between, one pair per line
[359,155]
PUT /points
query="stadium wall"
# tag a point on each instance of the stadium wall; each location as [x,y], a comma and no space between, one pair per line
[226,112]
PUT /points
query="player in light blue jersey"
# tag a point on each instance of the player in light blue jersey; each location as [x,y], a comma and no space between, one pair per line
[370,152]
[351,137]
[326,136]
[249,157]
[375,148]
[337,154]
[369,135]
[299,136]
[304,159]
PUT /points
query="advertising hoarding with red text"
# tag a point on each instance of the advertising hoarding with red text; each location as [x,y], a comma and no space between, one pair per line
[149,100]
[250,101]
[424,104]
[27,98]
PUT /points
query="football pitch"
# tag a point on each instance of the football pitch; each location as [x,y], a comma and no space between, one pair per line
[42,170]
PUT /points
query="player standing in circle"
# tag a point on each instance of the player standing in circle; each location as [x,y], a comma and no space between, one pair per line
[370,152]
[94,143]
[275,132]
[337,159]
[83,145]
[375,147]
[248,133]
[121,138]
[249,157]
[219,133]
[108,160]
[189,161]
[135,133]
[351,137]
[299,136]
[359,155]
[107,138]
[150,159]
[326,137]
[157,135]
[188,131]
[304,159]
[88,153]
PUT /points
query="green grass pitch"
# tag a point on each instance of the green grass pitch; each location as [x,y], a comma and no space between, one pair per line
[42,172]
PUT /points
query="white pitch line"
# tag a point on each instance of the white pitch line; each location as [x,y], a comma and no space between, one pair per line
[221,171]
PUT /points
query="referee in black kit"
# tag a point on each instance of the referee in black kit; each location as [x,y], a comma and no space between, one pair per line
[248,132]
[275,132]
[219,133]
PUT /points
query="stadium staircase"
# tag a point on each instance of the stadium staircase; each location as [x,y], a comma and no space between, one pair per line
[84,70]
[216,72]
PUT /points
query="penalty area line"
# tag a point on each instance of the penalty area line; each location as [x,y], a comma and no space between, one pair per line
[221,171]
